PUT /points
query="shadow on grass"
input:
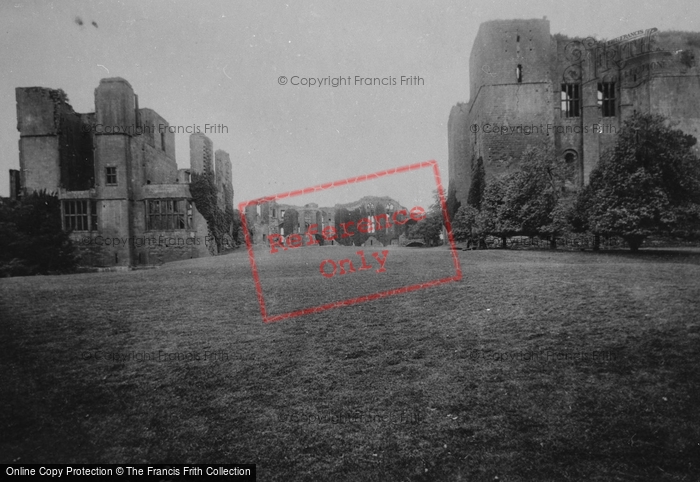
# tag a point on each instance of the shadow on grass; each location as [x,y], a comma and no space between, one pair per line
[657,255]
[457,356]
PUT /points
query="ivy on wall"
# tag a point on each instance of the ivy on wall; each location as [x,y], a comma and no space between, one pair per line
[220,223]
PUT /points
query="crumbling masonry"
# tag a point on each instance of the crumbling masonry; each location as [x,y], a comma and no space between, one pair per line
[123,198]
[571,95]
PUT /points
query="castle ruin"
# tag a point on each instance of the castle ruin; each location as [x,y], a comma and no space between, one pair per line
[570,95]
[123,198]
[272,218]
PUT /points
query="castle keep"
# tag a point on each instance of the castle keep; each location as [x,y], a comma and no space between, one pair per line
[123,198]
[529,88]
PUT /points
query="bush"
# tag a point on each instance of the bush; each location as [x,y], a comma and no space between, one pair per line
[32,240]
[649,184]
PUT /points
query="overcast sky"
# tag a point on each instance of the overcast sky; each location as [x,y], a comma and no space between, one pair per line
[198,63]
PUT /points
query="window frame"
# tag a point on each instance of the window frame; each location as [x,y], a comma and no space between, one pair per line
[109,172]
[168,214]
[79,215]
[607,99]
[571,104]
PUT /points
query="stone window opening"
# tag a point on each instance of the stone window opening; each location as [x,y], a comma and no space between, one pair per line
[79,215]
[573,178]
[519,73]
[162,140]
[111,176]
[606,98]
[570,100]
[168,214]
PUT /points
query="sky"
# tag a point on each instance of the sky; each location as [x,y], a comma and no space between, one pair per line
[220,63]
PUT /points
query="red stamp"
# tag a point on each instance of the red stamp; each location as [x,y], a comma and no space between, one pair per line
[325,250]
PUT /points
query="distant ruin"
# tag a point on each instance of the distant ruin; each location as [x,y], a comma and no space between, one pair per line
[272,218]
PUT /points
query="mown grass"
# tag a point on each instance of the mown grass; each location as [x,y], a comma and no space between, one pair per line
[464,381]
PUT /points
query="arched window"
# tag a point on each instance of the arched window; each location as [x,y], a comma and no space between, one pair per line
[519,73]
[574,174]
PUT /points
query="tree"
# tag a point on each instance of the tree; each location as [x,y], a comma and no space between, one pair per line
[478,184]
[453,203]
[495,217]
[430,228]
[530,201]
[32,240]
[578,216]
[648,184]
[559,219]
[537,201]
[464,221]
[237,228]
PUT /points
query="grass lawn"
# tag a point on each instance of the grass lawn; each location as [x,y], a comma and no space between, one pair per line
[536,366]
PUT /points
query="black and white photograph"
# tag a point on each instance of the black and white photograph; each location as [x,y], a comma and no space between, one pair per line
[390,240]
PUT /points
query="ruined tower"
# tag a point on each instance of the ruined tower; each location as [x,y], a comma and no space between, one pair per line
[569,95]
[123,198]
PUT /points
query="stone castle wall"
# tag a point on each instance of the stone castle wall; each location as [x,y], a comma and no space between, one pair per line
[118,160]
[517,69]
